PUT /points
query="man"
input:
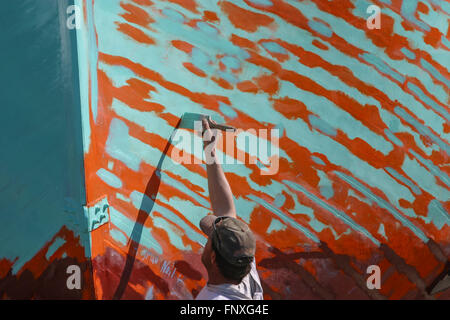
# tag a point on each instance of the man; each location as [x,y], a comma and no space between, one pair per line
[229,253]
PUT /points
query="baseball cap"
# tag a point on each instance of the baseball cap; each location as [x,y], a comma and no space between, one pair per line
[231,237]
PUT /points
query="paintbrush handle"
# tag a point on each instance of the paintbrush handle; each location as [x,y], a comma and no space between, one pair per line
[221,127]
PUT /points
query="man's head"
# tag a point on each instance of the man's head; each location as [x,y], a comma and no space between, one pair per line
[230,249]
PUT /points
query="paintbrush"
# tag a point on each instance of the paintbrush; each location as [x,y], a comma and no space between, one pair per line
[188,122]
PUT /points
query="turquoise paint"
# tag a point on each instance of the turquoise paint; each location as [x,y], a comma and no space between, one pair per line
[122,197]
[322,125]
[93,59]
[57,243]
[358,38]
[418,172]
[441,110]
[231,78]
[109,178]
[42,185]
[443,4]
[231,62]
[118,236]
[433,168]
[180,186]
[408,53]
[227,110]
[119,145]
[423,130]
[173,14]
[174,238]
[361,8]
[415,38]
[382,66]
[352,193]
[284,217]
[435,19]
[202,60]
[393,138]
[267,3]
[337,213]
[244,208]
[408,10]
[381,231]
[403,179]
[196,212]
[321,28]
[300,209]
[445,41]
[434,72]
[276,225]
[207,28]
[437,214]
[141,201]
[279,200]
[274,47]
[318,226]
[299,132]
[119,75]
[335,116]
[383,204]
[394,124]
[126,225]
[196,37]
[318,160]
[83,60]
[325,185]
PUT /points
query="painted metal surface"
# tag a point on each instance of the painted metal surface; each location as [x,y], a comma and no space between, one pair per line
[42,226]
[363,176]
[363,116]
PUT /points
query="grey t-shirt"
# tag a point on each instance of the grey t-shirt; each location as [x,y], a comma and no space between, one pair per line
[249,289]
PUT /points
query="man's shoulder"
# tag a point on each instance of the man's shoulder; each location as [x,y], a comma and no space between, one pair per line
[206,294]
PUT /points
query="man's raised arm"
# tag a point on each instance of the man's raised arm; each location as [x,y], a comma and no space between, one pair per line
[219,189]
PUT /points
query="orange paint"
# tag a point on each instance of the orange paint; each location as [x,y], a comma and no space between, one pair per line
[244,19]
[135,33]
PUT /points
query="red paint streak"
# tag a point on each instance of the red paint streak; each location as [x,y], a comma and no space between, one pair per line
[143,2]
[210,16]
[183,46]
[268,83]
[319,44]
[285,11]
[222,83]
[136,15]
[134,94]
[194,69]
[279,56]
[433,37]
[244,43]
[245,19]
[247,86]
[208,101]
[292,109]
[135,33]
